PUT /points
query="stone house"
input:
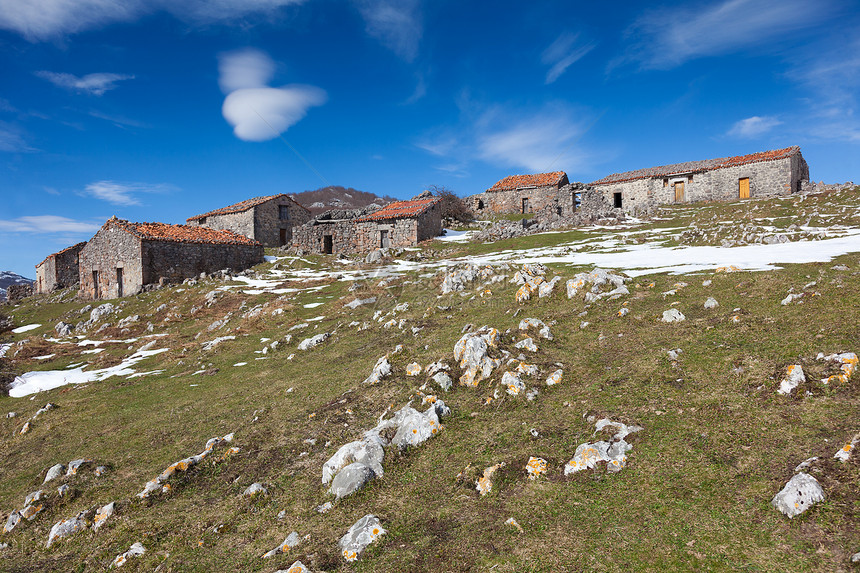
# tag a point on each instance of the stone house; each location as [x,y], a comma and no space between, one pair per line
[59,270]
[399,224]
[269,220]
[527,194]
[762,174]
[123,257]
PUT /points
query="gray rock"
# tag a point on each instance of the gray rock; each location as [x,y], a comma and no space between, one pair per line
[103,514]
[362,533]
[373,256]
[13,520]
[63,328]
[855,558]
[309,343]
[443,380]
[800,493]
[296,567]
[35,496]
[255,489]
[128,320]
[527,344]
[136,550]
[291,541]
[63,490]
[76,465]
[367,451]
[673,315]
[101,310]
[351,479]
[66,527]
[711,303]
[380,371]
[359,302]
[54,472]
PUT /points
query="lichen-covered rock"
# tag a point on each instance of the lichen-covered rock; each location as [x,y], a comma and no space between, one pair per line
[362,533]
[67,527]
[484,484]
[156,483]
[443,380]
[63,490]
[292,540]
[554,378]
[537,324]
[12,521]
[351,479]
[296,567]
[791,298]
[545,289]
[527,344]
[613,452]
[413,369]
[844,453]
[136,550]
[313,341]
[673,315]
[255,489]
[471,351]
[536,467]
[794,377]
[599,279]
[847,364]
[800,493]
[512,383]
[456,280]
[103,514]
[711,302]
[368,452]
[76,465]
[380,371]
[54,472]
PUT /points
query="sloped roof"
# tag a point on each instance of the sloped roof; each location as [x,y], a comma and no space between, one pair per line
[182,233]
[242,206]
[698,166]
[401,210]
[534,180]
[67,249]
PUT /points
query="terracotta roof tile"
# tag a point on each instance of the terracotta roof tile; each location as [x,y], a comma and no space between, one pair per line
[401,210]
[535,180]
[698,166]
[75,246]
[182,233]
[241,206]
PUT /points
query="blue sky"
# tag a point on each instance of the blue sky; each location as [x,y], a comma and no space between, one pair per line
[157,110]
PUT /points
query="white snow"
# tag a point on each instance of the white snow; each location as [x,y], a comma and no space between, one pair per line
[241,364]
[270,259]
[21,329]
[40,381]
[312,305]
[4,348]
[44,357]
[452,236]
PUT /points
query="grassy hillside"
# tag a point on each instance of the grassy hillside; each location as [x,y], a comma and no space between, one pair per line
[717,441]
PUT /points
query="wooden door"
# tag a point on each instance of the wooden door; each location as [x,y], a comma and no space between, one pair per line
[526,208]
[744,188]
[384,241]
[679,191]
[283,237]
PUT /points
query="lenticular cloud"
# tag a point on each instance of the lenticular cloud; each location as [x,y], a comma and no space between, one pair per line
[258,112]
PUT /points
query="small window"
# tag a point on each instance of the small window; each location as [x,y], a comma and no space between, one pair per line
[201,221]
[690,178]
[284,212]
[665,182]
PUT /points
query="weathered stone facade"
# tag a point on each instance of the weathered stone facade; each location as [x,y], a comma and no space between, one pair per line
[400,224]
[269,220]
[59,270]
[527,194]
[123,257]
[764,174]
[17,292]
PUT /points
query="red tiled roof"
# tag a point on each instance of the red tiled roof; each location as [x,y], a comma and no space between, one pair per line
[698,166]
[520,181]
[241,206]
[401,210]
[75,246]
[182,233]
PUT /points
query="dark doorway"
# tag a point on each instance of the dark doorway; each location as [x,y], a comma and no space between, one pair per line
[119,288]
[95,284]
[328,245]
[616,200]
[384,241]
[283,238]
[480,204]
[526,205]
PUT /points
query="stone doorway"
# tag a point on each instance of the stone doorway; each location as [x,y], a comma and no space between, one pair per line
[328,245]
[119,288]
[526,208]
[283,238]
[96,284]
[384,240]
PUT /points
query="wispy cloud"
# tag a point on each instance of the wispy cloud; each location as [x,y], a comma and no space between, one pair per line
[123,193]
[563,53]
[94,84]
[753,127]
[117,120]
[39,20]
[258,112]
[395,23]
[668,37]
[12,139]
[47,224]
[419,92]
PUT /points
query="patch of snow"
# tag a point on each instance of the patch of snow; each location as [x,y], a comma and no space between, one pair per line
[452,236]
[27,328]
[312,305]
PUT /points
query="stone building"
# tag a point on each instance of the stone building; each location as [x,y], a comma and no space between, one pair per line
[123,257]
[398,224]
[269,220]
[59,270]
[763,174]
[527,194]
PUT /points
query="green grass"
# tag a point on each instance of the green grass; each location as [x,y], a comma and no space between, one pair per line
[717,444]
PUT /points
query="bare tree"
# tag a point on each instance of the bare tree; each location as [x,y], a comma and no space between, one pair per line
[453,207]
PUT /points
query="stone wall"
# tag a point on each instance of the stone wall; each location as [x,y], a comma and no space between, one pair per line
[268,224]
[17,292]
[112,248]
[509,202]
[311,237]
[59,270]
[46,276]
[170,261]
[767,178]
[241,223]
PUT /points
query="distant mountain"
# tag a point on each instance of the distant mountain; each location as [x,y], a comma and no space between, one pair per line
[337,197]
[9,278]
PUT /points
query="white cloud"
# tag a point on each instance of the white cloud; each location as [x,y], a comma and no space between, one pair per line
[258,112]
[95,84]
[47,224]
[754,126]
[395,23]
[48,19]
[563,53]
[668,37]
[122,193]
[12,140]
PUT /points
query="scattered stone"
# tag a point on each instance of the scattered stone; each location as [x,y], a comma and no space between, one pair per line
[536,467]
[54,472]
[324,508]
[527,344]
[513,523]
[136,550]
[791,298]
[711,302]
[67,527]
[545,289]
[380,371]
[539,325]
[63,490]
[471,351]
[362,533]
[554,378]
[186,464]
[413,369]
[359,302]
[443,380]
[674,354]
[213,343]
[255,489]
[800,493]
[624,311]
[512,383]
[532,394]
[309,343]
[296,567]
[599,279]
[76,465]
[844,453]
[794,377]
[848,363]
[673,315]
[63,329]
[103,514]
[614,453]
[484,484]
[12,521]
[351,479]
[291,541]
[127,321]
[100,311]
